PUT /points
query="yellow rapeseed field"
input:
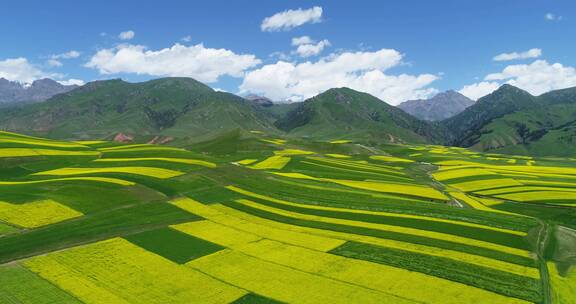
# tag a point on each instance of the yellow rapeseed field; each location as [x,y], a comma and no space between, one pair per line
[36,214]
[335,155]
[485,184]
[380,213]
[341,141]
[22,152]
[116,271]
[110,180]
[384,227]
[388,280]
[272,162]
[274,141]
[283,283]
[247,161]
[539,196]
[40,142]
[290,152]
[291,237]
[166,159]
[391,159]
[563,287]
[458,173]
[412,247]
[478,205]
[146,171]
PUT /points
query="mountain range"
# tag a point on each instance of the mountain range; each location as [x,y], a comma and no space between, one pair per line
[40,90]
[442,106]
[508,120]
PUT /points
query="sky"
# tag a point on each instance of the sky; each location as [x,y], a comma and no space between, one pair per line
[293,50]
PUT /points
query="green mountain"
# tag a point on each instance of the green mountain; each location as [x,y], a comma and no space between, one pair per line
[511,120]
[345,113]
[171,107]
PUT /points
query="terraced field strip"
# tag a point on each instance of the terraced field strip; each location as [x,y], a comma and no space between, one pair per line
[283,283]
[273,162]
[359,165]
[523,189]
[98,226]
[36,214]
[24,152]
[145,171]
[116,271]
[40,142]
[248,161]
[274,141]
[445,175]
[563,287]
[317,167]
[19,285]
[391,159]
[377,215]
[165,159]
[109,180]
[292,152]
[486,184]
[531,272]
[378,277]
[557,197]
[336,155]
[396,188]
[221,219]
[475,203]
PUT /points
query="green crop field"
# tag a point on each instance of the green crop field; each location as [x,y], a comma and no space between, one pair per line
[281,220]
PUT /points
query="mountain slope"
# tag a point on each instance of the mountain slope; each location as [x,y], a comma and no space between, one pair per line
[345,113]
[39,90]
[442,106]
[179,107]
[513,121]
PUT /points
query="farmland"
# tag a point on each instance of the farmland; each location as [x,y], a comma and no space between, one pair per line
[280,220]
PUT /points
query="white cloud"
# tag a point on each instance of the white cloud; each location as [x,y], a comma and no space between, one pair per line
[476,90]
[127,35]
[312,49]
[197,61]
[536,78]
[290,19]
[55,60]
[72,81]
[531,53]
[301,40]
[20,69]
[552,17]
[363,71]
[186,38]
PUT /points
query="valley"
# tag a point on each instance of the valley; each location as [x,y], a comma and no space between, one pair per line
[259,218]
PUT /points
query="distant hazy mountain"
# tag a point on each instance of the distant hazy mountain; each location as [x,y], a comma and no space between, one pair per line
[259,100]
[39,90]
[439,107]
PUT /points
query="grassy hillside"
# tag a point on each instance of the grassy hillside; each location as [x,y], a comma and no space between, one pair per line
[175,107]
[266,219]
[345,113]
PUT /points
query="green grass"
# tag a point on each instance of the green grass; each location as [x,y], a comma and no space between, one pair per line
[86,229]
[486,278]
[498,255]
[19,285]
[173,245]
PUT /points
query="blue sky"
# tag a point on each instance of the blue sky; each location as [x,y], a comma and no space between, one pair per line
[395,50]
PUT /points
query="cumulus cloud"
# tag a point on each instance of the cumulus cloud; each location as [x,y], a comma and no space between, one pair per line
[196,61]
[552,17]
[20,69]
[72,81]
[307,47]
[186,38]
[363,71]
[531,53]
[476,90]
[55,60]
[536,78]
[127,35]
[290,19]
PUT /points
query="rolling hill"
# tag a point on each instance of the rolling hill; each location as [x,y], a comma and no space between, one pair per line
[171,107]
[345,113]
[511,120]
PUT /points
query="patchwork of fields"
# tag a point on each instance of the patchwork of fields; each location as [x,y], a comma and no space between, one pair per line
[282,221]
